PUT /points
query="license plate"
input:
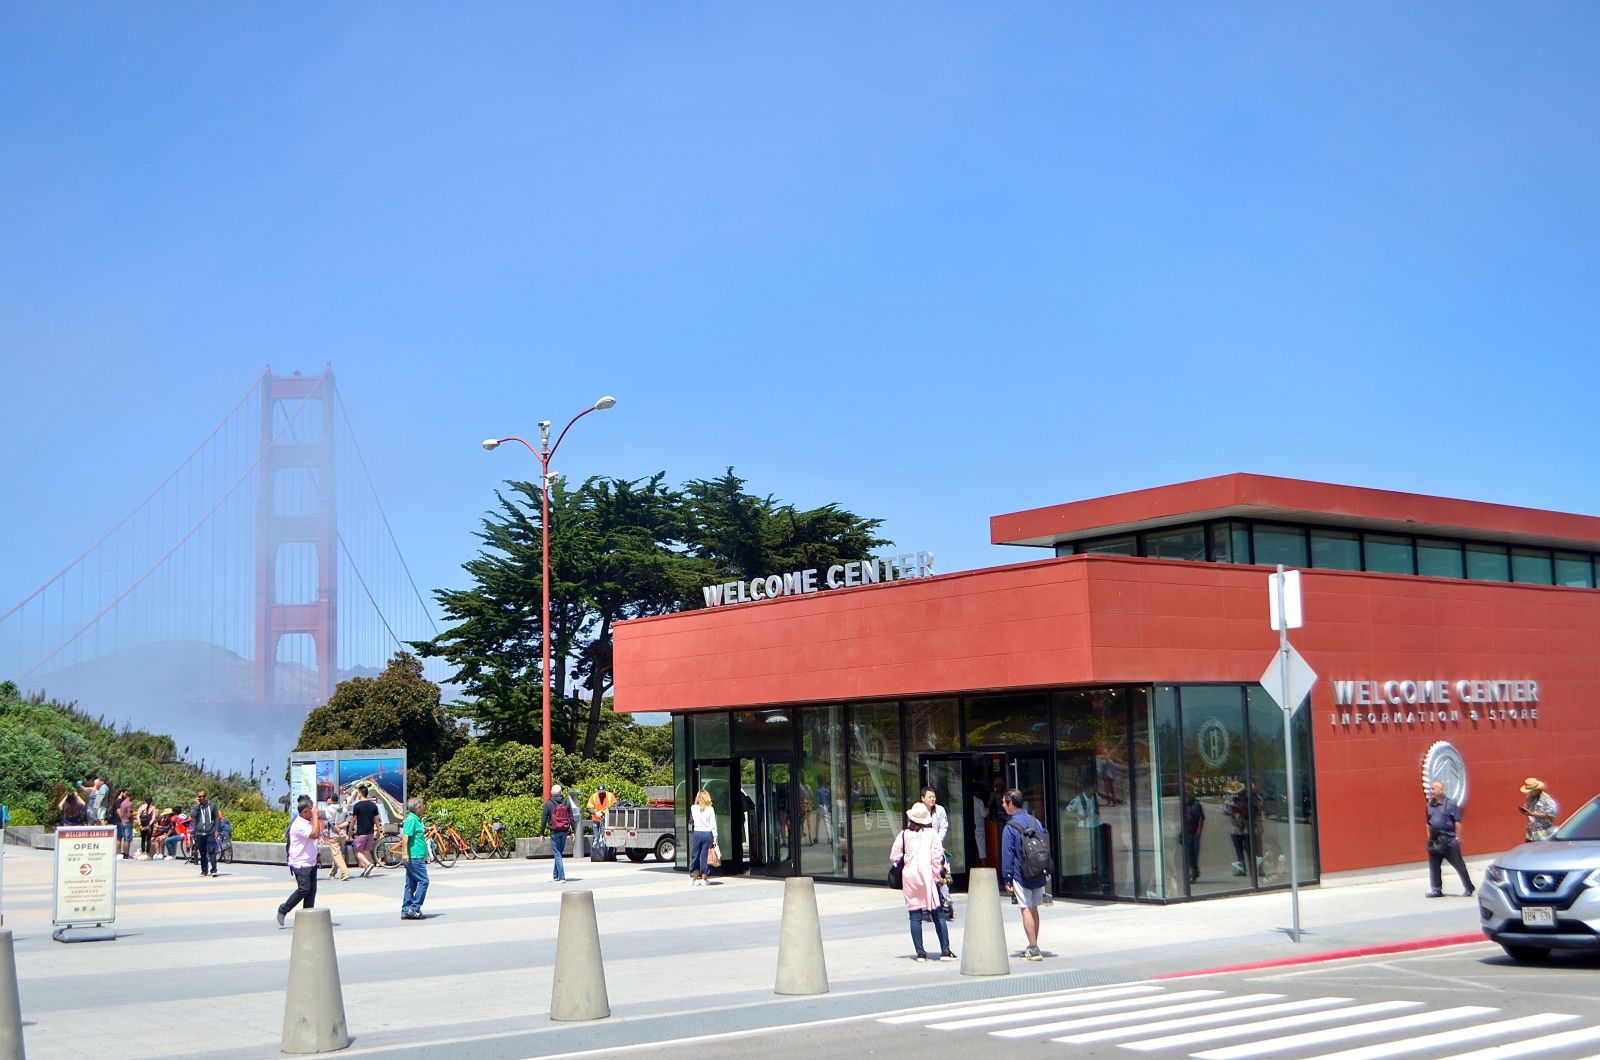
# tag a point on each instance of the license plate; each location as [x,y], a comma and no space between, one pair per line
[1538,916]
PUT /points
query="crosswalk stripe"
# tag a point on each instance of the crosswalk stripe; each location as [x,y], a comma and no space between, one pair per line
[1069,1010]
[924,1015]
[1203,1021]
[1338,1034]
[1236,1004]
[1581,1036]
[1242,1030]
[1455,1037]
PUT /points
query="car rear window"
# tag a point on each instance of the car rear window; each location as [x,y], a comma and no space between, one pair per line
[1585,824]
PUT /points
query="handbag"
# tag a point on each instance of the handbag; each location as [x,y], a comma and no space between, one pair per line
[896,875]
[714,857]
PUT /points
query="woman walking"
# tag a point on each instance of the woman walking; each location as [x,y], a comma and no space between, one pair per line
[921,859]
[702,837]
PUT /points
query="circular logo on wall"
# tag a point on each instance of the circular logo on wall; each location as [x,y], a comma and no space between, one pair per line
[1445,764]
[1213,742]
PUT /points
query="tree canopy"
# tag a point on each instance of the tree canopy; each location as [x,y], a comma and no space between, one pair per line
[619,549]
[398,708]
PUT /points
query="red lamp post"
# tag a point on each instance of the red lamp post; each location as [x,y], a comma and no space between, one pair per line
[544,454]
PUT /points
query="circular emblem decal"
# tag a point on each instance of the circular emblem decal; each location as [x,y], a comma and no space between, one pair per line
[1213,743]
[1445,764]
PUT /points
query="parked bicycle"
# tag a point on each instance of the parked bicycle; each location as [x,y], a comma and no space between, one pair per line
[492,840]
[440,849]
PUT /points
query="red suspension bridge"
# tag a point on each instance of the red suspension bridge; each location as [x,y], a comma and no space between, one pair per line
[234,596]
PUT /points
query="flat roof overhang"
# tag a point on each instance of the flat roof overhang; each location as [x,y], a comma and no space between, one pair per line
[1246,496]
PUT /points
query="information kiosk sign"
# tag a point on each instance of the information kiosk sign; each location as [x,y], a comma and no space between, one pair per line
[85,881]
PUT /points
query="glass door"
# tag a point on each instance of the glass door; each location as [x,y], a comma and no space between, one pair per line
[1029,773]
[773,851]
[717,778]
[947,776]
[1083,840]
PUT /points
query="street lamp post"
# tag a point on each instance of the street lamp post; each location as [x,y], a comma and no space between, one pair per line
[544,454]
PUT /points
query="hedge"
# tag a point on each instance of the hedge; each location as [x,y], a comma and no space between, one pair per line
[258,826]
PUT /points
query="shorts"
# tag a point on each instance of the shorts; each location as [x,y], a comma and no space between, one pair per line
[363,843]
[1028,897]
[125,832]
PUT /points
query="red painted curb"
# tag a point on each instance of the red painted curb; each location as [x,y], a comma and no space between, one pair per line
[1337,955]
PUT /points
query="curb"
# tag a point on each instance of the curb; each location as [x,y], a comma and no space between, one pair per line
[1336,955]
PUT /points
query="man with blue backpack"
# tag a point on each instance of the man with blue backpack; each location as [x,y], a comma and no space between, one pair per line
[1025,867]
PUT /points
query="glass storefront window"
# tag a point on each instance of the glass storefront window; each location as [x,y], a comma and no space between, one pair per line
[1089,724]
[1572,568]
[822,789]
[1335,550]
[1013,719]
[933,725]
[1167,736]
[1279,544]
[1146,836]
[1389,554]
[1269,790]
[682,796]
[877,798]
[1125,545]
[1215,803]
[1185,543]
[709,735]
[761,730]
[1531,566]
[1439,559]
[1488,563]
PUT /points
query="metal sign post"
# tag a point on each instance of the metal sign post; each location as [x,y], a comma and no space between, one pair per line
[1288,680]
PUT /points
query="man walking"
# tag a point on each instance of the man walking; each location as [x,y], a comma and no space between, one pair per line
[302,859]
[415,851]
[1024,867]
[365,813]
[558,818]
[1444,841]
[203,832]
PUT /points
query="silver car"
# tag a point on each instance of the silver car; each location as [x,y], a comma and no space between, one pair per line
[1546,896]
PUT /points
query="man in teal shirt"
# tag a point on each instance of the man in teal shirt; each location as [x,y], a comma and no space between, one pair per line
[416,857]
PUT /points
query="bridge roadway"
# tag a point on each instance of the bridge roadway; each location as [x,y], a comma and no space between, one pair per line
[200,965]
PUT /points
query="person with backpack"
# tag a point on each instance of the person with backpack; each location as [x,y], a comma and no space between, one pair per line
[559,813]
[145,818]
[920,857]
[1025,867]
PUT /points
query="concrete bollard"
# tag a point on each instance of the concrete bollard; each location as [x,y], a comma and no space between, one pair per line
[802,969]
[313,1007]
[579,989]
[983,943]
[10,1005]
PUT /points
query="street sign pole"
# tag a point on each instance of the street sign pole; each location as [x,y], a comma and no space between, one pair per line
[1288,708]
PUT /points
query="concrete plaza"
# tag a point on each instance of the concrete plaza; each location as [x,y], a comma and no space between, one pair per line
[200,965]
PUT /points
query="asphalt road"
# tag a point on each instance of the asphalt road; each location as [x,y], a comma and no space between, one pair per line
[1462,1001]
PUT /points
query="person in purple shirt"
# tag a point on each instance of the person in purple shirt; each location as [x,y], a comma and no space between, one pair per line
[302,860]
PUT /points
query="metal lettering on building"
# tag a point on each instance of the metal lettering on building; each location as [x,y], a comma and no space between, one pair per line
[1372,705]
[868,571]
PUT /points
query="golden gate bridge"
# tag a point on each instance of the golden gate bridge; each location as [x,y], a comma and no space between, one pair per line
[232,599]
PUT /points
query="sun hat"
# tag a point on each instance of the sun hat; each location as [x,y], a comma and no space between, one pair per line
[919,814]
[1235,787]
[1532,784]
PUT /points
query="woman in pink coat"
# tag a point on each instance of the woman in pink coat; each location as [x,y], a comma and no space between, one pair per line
[921,858]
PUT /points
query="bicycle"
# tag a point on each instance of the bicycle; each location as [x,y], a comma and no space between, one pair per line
[440,849]
[492,841]
[451,839]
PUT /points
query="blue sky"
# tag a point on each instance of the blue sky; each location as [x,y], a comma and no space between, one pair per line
[933,262]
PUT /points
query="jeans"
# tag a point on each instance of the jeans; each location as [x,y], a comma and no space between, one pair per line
[700,844]
[305,890]
[416,886]
[205,847]
[173,842]
[916,917]
[558,842]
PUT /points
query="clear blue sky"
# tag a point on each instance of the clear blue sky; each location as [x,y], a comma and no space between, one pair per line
[931,261]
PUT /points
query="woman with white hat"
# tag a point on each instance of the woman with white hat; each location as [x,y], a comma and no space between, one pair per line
[921,859]
[1539,808]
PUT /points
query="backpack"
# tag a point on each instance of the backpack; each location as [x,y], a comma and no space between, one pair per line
[1035,851]
[561,817]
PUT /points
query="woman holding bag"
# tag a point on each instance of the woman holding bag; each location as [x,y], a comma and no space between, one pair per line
[922,865]
[702,838]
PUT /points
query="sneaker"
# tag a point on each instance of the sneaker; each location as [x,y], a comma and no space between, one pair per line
[342,876]
[1032,954]
[1470,891]
[951,954]
[1434,894]
[280,918]
[921,958]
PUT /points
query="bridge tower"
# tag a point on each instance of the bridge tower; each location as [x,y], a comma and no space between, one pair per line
[296,507]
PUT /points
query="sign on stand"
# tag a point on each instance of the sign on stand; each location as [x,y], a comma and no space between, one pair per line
[1288,679]
[85,883]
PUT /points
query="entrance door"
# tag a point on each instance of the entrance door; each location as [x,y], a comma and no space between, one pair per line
[948,775]
[773,851]
[718,778]
[1029,773]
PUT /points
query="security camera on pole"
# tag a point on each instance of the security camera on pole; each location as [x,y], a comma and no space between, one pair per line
[1288,680]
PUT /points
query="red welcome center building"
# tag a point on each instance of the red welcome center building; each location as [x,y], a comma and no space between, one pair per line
[1116,684]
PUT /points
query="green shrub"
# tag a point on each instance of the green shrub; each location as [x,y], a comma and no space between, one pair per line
[520,814]
[625,790]
[21,815]
[258,826]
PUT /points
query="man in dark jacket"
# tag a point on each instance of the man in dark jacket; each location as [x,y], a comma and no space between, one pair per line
[203,831]
[560,814]
[1027,890]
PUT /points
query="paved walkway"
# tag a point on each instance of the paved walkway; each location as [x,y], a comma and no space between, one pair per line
[200,965]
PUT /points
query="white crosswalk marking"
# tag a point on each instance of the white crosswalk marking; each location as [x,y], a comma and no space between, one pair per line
[1456,1037]
[956,1011]
[1339,1034]
[1156,1008]
[1080,1008]
[1240,1030]
[1204,1021]
[1581,1036]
